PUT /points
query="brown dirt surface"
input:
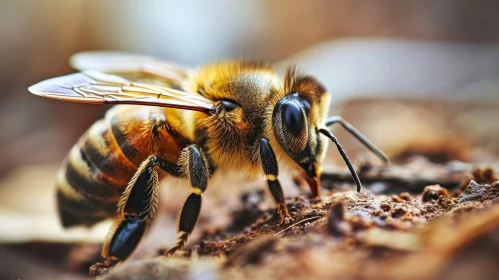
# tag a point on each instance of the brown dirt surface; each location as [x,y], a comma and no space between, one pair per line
[343,235]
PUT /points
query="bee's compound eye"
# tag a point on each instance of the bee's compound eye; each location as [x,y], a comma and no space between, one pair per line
[293,117]
[229,105]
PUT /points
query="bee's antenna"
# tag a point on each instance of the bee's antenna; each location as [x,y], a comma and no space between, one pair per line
[344,156]
[355,133]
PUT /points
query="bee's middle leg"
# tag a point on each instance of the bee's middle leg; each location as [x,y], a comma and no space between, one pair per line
[136,209]
[194,165]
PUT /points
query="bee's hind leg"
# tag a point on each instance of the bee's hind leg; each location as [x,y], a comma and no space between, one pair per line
[136,209]
[195,167]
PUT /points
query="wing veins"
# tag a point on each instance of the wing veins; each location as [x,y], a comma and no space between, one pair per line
[98,87]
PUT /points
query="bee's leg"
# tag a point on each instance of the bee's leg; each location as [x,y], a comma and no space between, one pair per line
[352,130]
[196,168]
[271,170]
[136,208]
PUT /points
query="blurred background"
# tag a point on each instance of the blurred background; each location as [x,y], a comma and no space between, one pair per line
[419,50]
[357,48]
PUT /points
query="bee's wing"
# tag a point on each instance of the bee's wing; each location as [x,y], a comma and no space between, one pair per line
[123,62]
[97,87]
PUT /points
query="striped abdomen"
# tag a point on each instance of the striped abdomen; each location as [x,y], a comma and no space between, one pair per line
[99,166]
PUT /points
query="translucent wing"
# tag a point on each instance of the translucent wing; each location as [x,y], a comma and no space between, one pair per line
[122,62]
[97,87]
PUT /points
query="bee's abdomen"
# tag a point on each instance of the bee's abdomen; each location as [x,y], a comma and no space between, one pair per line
[99,166]
[93,177]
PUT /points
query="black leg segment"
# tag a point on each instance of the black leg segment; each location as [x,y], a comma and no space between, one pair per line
[126,238]
[136,208]
[190,213]
[269,162]
[195,167]
[198,171]
[271,170]
[136,200]
[275,191]
[171,168]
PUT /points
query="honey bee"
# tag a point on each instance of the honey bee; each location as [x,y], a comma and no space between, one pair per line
[231,115]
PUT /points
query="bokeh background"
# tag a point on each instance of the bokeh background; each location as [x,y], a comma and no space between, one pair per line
[444,47]
[417,50]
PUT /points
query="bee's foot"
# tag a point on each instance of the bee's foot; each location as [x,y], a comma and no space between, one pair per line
[172,251]
[315,199]
[286,220]
[99,269]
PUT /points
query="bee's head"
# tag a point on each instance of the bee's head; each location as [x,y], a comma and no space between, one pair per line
[296,119]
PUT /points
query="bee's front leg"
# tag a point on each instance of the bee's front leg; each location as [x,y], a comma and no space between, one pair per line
[136,209]
[271,170]
[194,165]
